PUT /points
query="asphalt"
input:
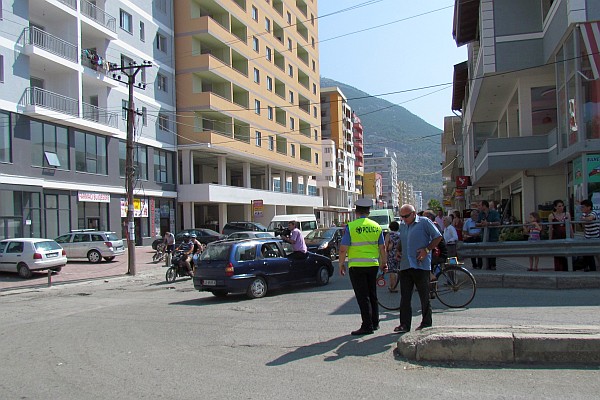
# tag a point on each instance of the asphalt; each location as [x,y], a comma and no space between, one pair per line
[480,344]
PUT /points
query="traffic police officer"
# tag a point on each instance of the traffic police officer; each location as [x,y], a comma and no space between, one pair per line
[363,243]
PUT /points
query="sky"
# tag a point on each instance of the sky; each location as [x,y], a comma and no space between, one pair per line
[414,50]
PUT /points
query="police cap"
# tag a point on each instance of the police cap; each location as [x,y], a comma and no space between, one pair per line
[364,203]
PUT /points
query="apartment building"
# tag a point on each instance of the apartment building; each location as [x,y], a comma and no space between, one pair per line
[406,194]
[63,116]
[385,163]
[359,163]
[248,109]
[529,102]
[337,183]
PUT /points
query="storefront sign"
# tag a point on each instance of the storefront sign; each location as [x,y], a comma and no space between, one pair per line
[257,208]
[140,208]
[462,182]
[93,197]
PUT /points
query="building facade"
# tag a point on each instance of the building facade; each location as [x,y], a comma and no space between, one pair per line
[63,116]
[359,163]
[385,163]
[248,110]
[529,102]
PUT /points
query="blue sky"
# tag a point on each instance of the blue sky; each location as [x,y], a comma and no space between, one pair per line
[411,51]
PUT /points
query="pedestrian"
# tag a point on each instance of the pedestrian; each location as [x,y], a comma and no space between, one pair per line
[363,242]
[591,230]
[418,237]
[393,249]
[489,218]
[472,234]
[169,242]
[439,220]
[450,236]
[558,230]
[534,230]
[296,239]
[457,223]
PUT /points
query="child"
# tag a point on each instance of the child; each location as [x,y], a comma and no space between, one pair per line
[533,228]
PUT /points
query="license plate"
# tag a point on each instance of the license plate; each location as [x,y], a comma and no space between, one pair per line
[51,255]
[119,248]
[209,282]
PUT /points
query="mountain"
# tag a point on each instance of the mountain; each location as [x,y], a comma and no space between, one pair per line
[417,144]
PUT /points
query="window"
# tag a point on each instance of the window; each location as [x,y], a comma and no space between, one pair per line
[163,166]
[256,75]
[269,83]
[1,68]
[289,44]
[50,145]
[317,158]
[289,18]
[316,135]
[163,122]
[293,150]
[161,5]
[124,108]
[258,139]
[5,141]
[161,42]
[292,123]
[314,88]
[255,44]
[314,66]
[254,13]
[270,113]
[161,82]
[269,53]
[126,21]
[144,116]
[312,40]
[312,19]
[291,97]
[290,70]
[140,160]
[90,153]
[142,32]
[267,24]
[257,106]
[271,143]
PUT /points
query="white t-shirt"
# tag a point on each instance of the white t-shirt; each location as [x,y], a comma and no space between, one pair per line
[450,235]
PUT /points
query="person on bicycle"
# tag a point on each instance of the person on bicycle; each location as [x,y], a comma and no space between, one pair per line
[169,243]
[418,237]
[198,249]
[187,247]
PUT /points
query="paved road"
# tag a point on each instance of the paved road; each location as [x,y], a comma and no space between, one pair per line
[138,337]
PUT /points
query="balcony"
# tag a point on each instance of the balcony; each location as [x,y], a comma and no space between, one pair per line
[35,38]
[36,97]
[70,3]
[100,115]
[99,24]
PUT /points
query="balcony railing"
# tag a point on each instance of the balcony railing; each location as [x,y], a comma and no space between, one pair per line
[53,101]
[91,11]
[70,3]
[50,43]
[104,117]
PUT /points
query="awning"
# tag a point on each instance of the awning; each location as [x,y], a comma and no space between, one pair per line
[590,32]
[461,75]
[466,21]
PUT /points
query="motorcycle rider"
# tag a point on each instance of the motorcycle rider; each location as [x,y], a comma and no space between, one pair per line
[169,242]
[187,247]
[198,249]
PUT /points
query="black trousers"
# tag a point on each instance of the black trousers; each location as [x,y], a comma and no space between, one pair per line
[410,278]
[476,263]
[363,281]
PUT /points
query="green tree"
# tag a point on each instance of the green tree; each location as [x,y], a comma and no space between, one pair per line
[434,204]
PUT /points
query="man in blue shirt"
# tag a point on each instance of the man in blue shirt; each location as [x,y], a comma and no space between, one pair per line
[489,217]
[418,236]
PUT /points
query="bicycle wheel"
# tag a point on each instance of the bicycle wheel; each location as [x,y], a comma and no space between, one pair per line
[455,287]
[388,296]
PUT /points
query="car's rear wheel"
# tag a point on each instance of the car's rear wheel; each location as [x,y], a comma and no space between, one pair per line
[257,289]
[171,275]
[332,253]
[219,293]
[109,258]
[24,271]
[323,276]
[94,256]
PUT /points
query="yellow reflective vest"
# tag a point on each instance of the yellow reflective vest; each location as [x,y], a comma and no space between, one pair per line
[364,248]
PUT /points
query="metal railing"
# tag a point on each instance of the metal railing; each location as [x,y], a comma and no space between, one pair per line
[50,43]
[53,101]
[91,11]
[100,115]
[70,3]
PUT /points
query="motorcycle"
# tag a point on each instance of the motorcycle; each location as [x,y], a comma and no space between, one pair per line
[177,268]
[161,253]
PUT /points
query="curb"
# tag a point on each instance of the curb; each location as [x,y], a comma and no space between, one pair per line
[581,280]
[506,344]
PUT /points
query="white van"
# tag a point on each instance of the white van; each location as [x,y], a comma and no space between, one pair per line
[383,217]
[307,222]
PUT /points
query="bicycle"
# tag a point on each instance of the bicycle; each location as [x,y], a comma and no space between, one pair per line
[454,287]
[161,253]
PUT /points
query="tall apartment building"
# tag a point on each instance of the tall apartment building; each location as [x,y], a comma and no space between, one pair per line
[247,109]
[406,193]
[338,181]
[385,163]
[63,116]
[529,97]
[359,163]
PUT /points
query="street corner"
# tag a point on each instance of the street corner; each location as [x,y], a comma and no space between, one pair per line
[503,344]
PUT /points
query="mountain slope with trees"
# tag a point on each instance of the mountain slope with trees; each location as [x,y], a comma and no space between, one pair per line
[417,143]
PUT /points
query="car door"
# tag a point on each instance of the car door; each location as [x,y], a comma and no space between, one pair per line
[3,265]
[80,245]
[66,243]
[274,264]
[13,254]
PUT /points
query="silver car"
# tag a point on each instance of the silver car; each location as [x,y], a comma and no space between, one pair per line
[93,245]
[24,255]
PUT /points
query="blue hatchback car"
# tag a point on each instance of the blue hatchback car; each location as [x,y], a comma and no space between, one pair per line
[254,266]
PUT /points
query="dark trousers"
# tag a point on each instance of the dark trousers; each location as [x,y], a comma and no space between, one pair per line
[590,263]
[476,263]
[410,278]
[298,255]
[363,281]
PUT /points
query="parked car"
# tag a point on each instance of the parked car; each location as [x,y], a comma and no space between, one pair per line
[24,255]
[91,244]
[249,235]
[242,226]
[203,235]
[325,241]
[254,266]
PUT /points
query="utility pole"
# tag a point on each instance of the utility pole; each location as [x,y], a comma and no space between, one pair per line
[130,71]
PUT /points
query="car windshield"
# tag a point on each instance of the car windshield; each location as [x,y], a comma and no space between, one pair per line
[277,225]
[380,219]
[112,236]
[47,245]
[321,234]
[216,252]
[209,232]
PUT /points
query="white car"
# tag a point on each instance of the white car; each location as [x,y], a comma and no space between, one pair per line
[24,255]
[91,244]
